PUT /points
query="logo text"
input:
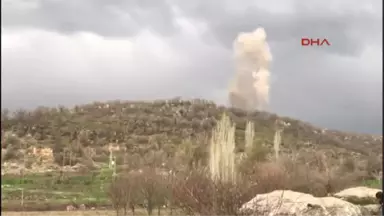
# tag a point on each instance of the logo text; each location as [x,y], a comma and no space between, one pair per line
[314,42]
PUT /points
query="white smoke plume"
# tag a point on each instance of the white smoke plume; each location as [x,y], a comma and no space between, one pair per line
[249,89]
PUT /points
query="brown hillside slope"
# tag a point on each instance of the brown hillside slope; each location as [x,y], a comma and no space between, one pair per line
[139,127]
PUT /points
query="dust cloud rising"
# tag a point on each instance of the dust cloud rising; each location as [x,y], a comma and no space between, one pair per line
[249,89]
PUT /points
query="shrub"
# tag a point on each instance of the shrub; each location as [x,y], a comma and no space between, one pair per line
[196,193]
[152,189]
[146,188]
[11,153]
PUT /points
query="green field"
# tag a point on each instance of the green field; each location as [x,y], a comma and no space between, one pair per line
[89,188]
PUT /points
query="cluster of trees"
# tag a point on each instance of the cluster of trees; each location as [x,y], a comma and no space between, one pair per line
[189,193]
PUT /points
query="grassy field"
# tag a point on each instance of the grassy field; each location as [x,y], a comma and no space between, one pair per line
[52,189]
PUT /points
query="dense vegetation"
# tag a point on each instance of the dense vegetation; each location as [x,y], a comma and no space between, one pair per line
[142,126]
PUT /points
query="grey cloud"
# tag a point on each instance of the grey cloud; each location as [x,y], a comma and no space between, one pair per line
[122,18]
[108,18]
[344,30]
[321,91]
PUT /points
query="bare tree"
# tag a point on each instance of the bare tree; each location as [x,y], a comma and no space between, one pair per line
[152,189]
[123,193]
[197,193]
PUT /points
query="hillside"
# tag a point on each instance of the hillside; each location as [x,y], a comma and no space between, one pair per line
[139,127]
[61,155]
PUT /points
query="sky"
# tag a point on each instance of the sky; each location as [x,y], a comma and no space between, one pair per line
[77,51]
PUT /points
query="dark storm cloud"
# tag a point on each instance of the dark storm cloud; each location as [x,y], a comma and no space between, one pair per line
[336,87]
[346,30]
[127,17]
[108,18]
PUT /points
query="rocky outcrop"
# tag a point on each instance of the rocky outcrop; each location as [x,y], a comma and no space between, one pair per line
[286,202]
[359,195]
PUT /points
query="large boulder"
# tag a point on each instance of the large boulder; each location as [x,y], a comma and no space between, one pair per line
[359,195]
[286,202]
[371,209]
